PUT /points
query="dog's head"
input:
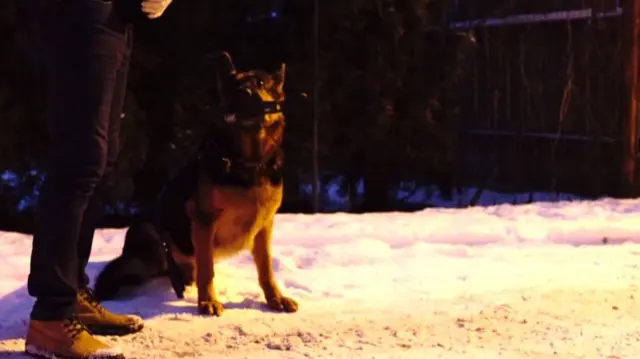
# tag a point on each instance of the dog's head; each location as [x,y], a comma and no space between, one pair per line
[251,103]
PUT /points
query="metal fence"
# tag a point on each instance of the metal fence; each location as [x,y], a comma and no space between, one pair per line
[545,102]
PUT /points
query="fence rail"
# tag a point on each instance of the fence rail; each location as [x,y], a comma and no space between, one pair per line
[569,15]
[547,96]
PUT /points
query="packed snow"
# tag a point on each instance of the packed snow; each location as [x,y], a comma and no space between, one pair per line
[538,280]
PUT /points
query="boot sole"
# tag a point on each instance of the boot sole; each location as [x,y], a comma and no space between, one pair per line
[36,352]
[114,330]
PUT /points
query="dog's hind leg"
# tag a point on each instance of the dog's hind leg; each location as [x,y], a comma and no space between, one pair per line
[141,260]
[188,272]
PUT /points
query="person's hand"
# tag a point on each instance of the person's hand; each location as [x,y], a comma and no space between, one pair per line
[155,8]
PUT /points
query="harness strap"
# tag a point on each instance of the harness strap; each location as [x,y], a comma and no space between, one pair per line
[211,152]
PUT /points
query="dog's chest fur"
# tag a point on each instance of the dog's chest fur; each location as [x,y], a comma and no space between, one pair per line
[239,215]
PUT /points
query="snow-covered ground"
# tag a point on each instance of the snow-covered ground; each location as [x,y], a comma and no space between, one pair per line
[530,281]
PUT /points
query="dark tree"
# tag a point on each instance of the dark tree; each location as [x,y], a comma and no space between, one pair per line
[388,90]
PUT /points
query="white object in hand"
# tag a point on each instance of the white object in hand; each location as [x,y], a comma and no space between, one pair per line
[155,8]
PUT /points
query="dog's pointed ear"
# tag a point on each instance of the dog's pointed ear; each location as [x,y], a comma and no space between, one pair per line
[224,64]
[280,76]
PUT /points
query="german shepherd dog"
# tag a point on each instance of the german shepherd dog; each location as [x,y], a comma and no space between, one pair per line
[221,203]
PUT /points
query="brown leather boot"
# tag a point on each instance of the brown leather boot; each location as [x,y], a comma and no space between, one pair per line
[66,339]
[100,321]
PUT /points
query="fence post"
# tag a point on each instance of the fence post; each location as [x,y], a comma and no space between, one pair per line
[316,78]
[630,27]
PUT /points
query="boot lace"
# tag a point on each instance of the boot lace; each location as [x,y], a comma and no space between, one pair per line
[88,296]
[73,327]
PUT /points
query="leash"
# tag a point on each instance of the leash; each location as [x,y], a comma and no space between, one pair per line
[174,272]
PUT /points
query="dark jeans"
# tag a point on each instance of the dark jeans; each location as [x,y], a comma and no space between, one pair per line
[88,59]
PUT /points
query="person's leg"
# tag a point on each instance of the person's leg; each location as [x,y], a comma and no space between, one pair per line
[89,310]
[92,216]
[94,211]
[84,60]
[86,51]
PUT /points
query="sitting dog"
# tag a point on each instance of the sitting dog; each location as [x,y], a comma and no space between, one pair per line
[221,203]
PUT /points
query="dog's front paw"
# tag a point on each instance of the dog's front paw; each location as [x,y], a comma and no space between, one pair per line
[210,307]
[282,304]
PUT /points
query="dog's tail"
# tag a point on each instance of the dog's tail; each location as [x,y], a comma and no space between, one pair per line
[142,259]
